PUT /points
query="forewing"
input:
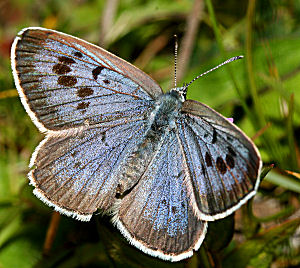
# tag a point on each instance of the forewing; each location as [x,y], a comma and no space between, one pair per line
[156,215]
[76,171]
[223,163]
[66,82]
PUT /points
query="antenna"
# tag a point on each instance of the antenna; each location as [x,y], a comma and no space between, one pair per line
[175,61]
[218,66]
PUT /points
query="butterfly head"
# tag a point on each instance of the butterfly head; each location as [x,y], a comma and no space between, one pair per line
[179,93]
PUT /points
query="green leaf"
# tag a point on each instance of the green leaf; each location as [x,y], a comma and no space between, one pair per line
[264,242]
[19,253]
[283,181]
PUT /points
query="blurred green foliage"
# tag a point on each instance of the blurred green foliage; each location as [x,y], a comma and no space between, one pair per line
[261,92]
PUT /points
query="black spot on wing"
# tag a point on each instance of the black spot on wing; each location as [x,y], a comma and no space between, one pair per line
[230,161]
[67,80]
[97,71]
[214,139]
[66,60]
[84,92]
[106,81]
[61,68]
[83,105]
[221,165]
[208,159]
[78,54]
[229,138]
[231,151]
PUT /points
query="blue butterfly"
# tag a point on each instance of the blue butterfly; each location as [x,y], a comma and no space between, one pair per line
[161,164]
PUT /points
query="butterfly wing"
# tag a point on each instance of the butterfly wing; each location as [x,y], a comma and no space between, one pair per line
[65,82]
[156,216]
[224,165]
[77,171]
[91,104]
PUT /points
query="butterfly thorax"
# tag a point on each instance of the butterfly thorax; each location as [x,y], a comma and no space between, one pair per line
[166,109]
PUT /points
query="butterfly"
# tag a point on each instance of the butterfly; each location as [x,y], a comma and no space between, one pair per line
[162,165]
